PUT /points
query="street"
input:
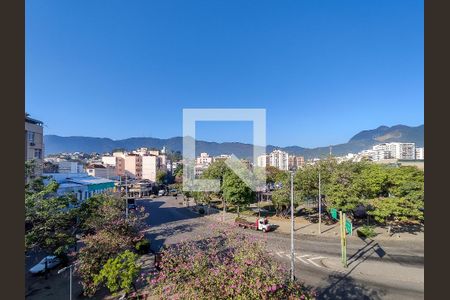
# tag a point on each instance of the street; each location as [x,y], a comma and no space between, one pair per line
[376,270]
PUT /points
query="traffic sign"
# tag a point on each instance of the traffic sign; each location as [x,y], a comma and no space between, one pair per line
[348,226]
[333,212]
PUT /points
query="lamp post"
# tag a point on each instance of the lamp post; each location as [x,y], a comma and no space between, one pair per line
[320,204]
[292,227]
[70,278]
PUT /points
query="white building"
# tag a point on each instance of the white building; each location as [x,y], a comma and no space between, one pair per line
[420,153]
[279,159]
[406,151]
[204,159]
[101,171]
[263,161]
[150,165]
[70,167]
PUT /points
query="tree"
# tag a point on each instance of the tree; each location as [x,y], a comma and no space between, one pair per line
[119,273]
[229,266]
[112,234]
[50,223]
[235,191]
[161,177]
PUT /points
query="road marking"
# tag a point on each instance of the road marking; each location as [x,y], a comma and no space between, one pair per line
[302,260]
[311,260]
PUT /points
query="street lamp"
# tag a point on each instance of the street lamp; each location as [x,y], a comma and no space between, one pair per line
[320,204]
[292,227]
[70,278]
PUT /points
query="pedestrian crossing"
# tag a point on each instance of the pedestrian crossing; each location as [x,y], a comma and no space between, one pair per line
[307,259]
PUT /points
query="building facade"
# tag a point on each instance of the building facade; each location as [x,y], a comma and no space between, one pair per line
[420,153]
[34,143]
[279,159]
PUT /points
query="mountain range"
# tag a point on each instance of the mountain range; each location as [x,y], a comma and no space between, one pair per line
[363,140]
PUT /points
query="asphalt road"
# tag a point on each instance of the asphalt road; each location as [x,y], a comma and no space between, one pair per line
[376,270]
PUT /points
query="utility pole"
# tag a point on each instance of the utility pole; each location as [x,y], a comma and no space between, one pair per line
[292,227]
[320,205]
[70,278]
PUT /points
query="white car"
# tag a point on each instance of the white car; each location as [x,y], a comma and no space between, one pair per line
[52,261]
[161,192]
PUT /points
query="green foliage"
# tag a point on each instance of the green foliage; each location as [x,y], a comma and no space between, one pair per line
[112,234]
[235,191]
[367,231]
[390,193]
[161,177]
[119,273]
[143,246]
[49,222]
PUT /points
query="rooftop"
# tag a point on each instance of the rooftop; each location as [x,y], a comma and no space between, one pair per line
[33,121]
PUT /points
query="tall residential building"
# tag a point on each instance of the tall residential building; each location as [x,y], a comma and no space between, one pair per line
[263,161]
[279,159]
[150,165]
[34,143]
[420,153]
[133,165]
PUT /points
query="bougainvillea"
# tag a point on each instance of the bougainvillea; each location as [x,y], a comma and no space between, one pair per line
[229,265]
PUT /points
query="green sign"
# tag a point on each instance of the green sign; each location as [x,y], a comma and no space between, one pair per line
[348,226]
[333,212]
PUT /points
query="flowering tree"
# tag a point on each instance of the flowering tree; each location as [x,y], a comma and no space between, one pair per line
[229,265]
[112,234]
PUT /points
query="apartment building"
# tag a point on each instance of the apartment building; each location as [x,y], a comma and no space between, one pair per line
[263,161]
[404,151]
[117,162]
[133,166]
[34,143]
[279,159]
[204,159]
[150,165]
[420,153]
[295,162]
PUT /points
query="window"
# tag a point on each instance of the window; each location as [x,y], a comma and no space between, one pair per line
[30,136]
[38,153]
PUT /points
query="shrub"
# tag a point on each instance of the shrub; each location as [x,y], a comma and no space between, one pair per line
[230,265]
[366,231]
[143,246]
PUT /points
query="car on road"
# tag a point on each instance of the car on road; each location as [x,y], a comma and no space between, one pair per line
[161,192]
[51,261]
[173,192]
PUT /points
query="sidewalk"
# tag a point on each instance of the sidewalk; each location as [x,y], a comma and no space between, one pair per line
[304,227]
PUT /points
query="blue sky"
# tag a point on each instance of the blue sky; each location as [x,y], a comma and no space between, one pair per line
[323,70]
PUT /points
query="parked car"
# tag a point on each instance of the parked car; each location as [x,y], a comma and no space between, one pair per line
[161,192]
[173,192]
[52,261]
